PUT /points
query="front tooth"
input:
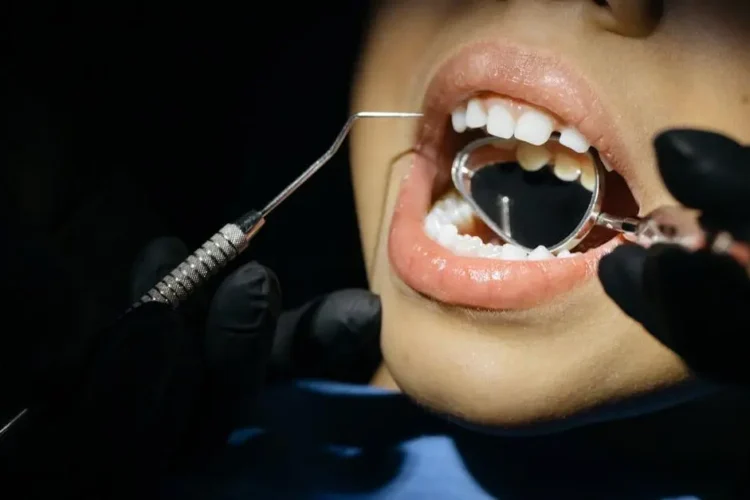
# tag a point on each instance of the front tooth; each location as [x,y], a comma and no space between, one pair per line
[532,158]
[512,252]
[534,127]
[475,114]
[540,253]
[458,118]
[500,122]
[566,168]
[606,164]
[564,254]
[574,140]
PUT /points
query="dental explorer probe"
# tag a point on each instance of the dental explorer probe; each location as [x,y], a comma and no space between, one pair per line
[232,239]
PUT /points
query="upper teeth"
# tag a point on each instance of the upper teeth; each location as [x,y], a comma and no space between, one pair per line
[505,118]
[528,130]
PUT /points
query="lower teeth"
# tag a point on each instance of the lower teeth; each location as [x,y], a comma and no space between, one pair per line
[453,212]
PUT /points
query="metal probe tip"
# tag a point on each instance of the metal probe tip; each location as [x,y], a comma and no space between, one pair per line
[291,188]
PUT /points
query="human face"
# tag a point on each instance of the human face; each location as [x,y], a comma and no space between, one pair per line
[512,343]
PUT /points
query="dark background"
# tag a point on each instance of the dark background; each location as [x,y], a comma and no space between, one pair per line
[129,122]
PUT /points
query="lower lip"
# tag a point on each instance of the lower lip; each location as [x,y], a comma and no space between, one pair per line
[432,270]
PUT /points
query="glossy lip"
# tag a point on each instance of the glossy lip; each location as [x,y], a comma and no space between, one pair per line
[427,267]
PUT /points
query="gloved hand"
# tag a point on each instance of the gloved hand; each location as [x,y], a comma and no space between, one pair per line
[694,303]
[160,384]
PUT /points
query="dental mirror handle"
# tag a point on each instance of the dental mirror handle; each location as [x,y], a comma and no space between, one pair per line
[670,225]
[677,226]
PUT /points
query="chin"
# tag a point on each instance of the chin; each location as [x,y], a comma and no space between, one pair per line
[476,329]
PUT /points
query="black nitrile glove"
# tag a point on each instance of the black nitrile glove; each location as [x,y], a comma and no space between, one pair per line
[694,303]
[161,384]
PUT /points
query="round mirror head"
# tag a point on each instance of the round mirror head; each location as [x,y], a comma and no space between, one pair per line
[531,195]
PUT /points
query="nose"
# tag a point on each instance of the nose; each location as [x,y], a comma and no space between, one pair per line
[631,18]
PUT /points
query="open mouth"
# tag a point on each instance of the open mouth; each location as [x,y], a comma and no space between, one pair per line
[552,131]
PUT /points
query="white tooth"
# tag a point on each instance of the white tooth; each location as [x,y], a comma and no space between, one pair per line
[588,180]
[532,158]
[500,122]
[465,212]
[540,253]
[448,234]
[574,140]
[441,215]
[564,254]
[534,127]
[458,119]
[475,114]
[497,252]
[606,164]
[449,204]
[466,246]
[512,252]
[432,226]
[588,173]
[566,168]
[485,251]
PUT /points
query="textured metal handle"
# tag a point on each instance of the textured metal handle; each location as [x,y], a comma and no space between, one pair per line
[209,259]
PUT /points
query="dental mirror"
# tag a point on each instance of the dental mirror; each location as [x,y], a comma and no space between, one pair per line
[517,192]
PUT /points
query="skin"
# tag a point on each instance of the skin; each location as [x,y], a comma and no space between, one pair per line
[686,67]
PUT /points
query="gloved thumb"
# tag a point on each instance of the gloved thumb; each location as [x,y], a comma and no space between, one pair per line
[239,335]
[705,170]
[336,337]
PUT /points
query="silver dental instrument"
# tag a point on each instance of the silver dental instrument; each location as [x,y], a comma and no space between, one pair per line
[673,225]
[232,239]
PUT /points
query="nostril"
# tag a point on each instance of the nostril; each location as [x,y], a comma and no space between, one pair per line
[631,18]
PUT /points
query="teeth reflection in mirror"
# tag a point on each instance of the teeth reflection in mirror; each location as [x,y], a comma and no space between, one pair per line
[532,158]
[566,168]
[588,180]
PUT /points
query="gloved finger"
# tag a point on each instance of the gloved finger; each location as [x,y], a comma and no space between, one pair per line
[622,276]
[702,299]
[239,334]
[705,171]
[335,337]
[156,260]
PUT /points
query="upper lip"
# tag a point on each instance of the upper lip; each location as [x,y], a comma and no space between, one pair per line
[539,78]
